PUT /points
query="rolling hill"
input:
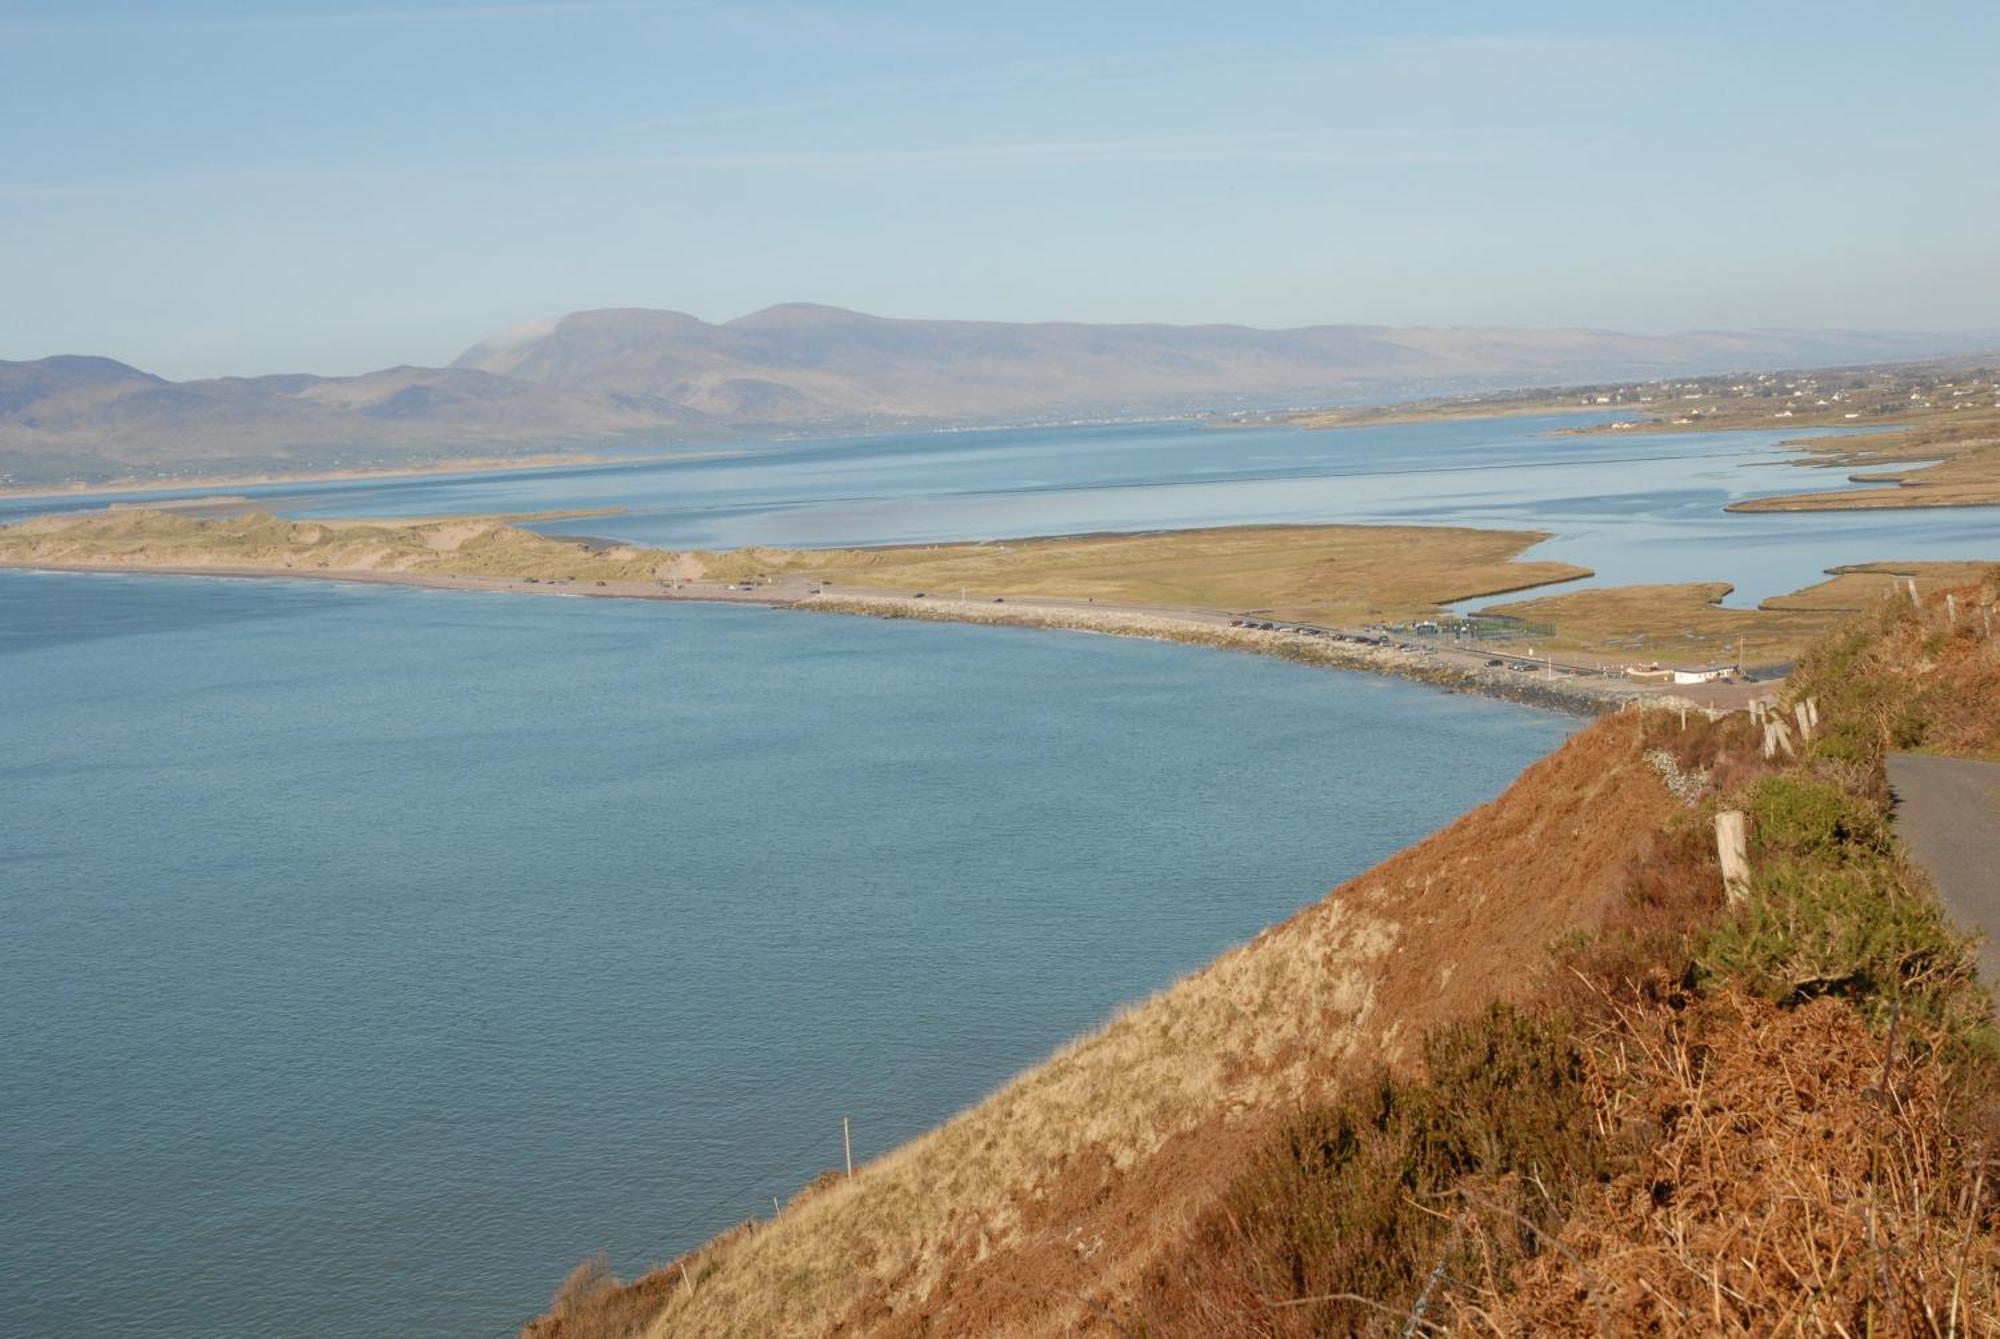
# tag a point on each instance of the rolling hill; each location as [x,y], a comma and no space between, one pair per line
[599,375]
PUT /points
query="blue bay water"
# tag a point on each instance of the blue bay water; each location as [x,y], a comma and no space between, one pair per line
[369,956]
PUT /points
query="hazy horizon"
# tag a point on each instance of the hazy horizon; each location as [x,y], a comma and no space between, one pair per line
[218,187]
[523,331]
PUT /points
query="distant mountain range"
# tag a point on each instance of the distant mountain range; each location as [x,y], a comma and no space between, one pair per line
[599,376]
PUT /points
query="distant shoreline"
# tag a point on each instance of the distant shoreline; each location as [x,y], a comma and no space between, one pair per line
[482,465]
[1568,694]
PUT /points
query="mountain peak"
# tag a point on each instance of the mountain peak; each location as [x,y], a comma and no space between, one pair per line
[797,314]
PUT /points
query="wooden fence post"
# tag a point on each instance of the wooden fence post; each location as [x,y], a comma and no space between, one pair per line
[847,1143]
[1732,848]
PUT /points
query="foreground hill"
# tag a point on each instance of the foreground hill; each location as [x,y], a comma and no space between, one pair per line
[599,375]
[1535,1075]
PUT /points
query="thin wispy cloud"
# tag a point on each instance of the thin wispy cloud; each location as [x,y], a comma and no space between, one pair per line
[1299,147]
[330,17]
[1302,148]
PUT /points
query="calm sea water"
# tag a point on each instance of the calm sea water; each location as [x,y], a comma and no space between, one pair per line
[369,956]
[1631,508]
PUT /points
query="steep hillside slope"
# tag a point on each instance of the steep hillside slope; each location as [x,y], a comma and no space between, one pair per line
[1064,1186]
[1535,1075]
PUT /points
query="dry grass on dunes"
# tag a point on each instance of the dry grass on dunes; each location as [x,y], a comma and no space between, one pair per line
[487,546]
[1041,1205]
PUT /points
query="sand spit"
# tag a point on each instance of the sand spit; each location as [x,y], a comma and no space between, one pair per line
[1577,695]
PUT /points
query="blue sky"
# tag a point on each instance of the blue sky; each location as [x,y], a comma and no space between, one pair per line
[216,186]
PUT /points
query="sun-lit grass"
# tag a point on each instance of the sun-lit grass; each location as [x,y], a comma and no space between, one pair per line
[1685,623]
[1321,573]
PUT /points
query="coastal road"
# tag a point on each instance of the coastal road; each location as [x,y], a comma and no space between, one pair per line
[1948,811]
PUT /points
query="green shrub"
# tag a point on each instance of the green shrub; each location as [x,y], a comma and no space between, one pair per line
[1846,930]
[1807,819]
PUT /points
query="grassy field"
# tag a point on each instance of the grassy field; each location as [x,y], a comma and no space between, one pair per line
[1680,624]
[1326,574]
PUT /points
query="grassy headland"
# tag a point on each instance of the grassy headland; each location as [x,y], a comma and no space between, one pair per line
[1534,1075]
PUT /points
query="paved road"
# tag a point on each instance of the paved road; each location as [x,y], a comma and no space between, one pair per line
[1948,811]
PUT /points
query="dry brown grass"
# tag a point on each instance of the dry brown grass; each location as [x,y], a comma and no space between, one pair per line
[1678,624]
[1909,677]
[1340,574]
[1801,1175]
[1864,586]
[478,546]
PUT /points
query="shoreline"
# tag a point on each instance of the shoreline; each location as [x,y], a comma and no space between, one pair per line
[482,465]
[1445,669]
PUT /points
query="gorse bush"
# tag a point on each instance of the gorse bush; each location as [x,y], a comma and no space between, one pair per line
[1806,819]
[1846,931]
[1833,910]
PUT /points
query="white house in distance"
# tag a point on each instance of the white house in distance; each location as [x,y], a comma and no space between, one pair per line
[1703,674]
